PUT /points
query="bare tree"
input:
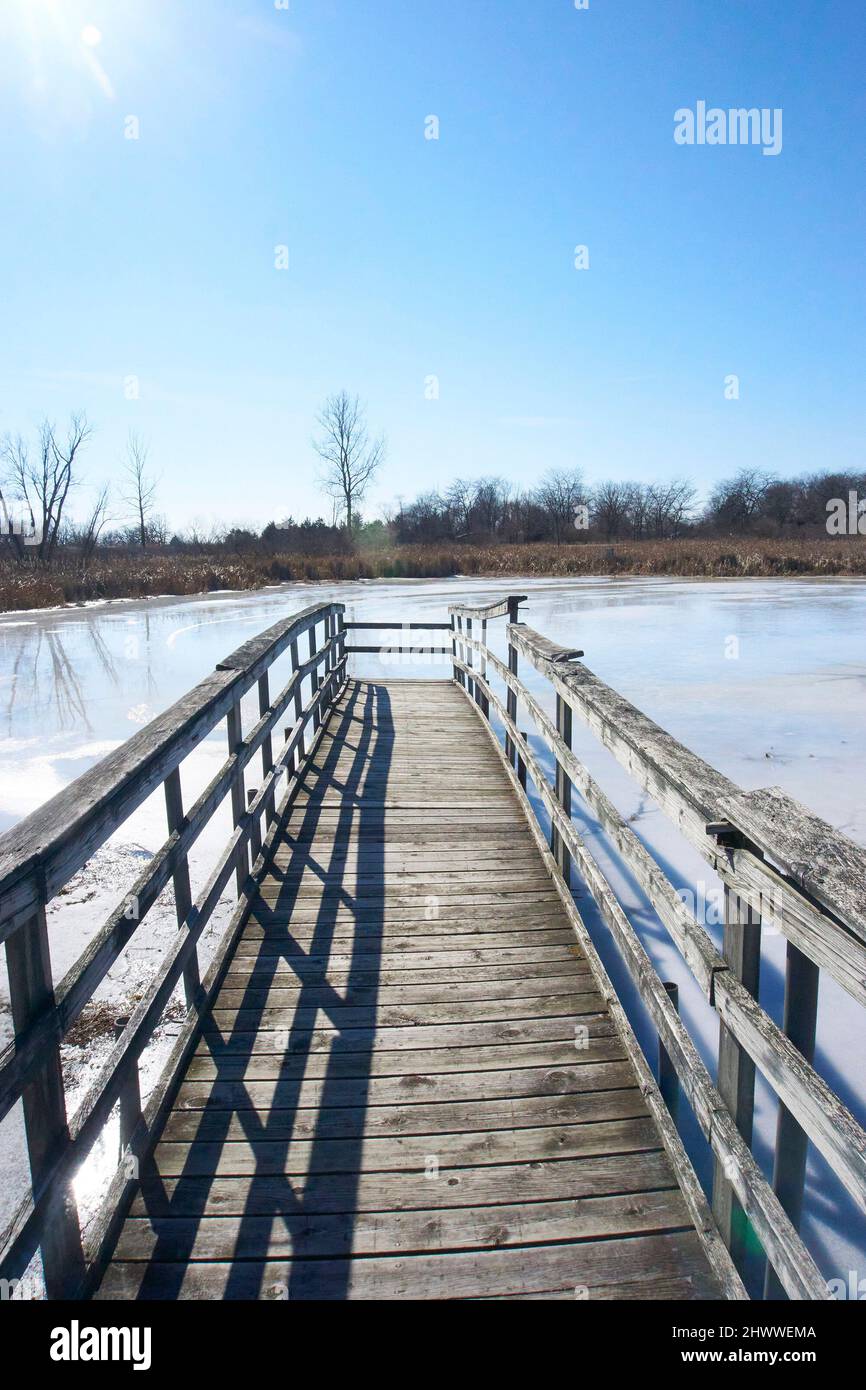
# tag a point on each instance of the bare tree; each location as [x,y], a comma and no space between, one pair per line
[349,457]
[736,502]
[86,536]
[43,483]
[560,494]
[141,487]
[611,503]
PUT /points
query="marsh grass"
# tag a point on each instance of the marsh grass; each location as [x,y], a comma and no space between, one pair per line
[113,576]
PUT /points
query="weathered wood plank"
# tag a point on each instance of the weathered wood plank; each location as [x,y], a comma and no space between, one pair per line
[446,1036]
[418,1062]
[390,1099]
[501,1272]
[383,1233]
[421,1119]
[548,1180]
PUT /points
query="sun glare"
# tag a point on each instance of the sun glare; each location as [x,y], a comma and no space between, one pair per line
[59,40]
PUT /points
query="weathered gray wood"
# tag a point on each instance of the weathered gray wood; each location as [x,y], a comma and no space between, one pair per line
[419,1062]
[829,1124]
[789,1169]
[47,1215]
[693,794]
[536,1039]
[180,880]
[474,1187]
[400,651]
[381,1233]
[669,1085]
[500,608]
[40,854]
[589,1266]
[234,733]
[826,864]
[391,1103]
[693,942]
[28,962]
[736,1071]
[563,790]
[75,990]
[793,1262]
[102,1231]
[267,743]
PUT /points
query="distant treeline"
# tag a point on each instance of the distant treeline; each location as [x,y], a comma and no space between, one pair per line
[39,527]
[563,508]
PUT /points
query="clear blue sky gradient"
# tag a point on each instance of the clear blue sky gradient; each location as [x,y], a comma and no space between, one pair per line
[411,257]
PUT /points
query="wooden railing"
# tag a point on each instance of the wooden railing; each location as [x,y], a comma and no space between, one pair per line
[776,861]
[40,855]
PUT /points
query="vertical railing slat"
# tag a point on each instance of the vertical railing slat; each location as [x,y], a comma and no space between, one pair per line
[267,747]
[802,982]
[298,755]
[180,880]
[736,1078]
[563,789]
[485,703]
[511,695]
[314,676]
[31,992]
[234,731]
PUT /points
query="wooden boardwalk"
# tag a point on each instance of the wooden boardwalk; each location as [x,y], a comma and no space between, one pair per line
[409,1085]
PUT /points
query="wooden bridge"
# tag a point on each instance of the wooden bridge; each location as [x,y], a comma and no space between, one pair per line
[403,1071]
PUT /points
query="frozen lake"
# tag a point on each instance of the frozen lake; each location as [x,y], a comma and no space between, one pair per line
[764,679]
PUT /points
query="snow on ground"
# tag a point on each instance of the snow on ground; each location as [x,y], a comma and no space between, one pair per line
[764,679]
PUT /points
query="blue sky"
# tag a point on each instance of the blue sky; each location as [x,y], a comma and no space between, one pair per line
[154,258]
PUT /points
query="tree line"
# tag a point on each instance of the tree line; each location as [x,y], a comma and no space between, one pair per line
[564,507]
[39,480]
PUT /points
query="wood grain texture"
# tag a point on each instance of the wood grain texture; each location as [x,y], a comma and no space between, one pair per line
[409,1085]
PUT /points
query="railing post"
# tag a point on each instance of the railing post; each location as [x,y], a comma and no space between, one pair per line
[267,748]
[669,1084]
[454,671]
[255,828]
[470,662]
[511,695]
[31,992]
[521,765]
[736,1078]
[298,756]
[563,790]
[180,880]
[485,703]
[235,735]
[314,676]
[329,654]
[129,1099]
[341,643]
[802,977]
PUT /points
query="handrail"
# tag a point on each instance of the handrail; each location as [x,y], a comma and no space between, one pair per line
[40,854]
[499,608]
[695,796]
[38,857]
[825,892]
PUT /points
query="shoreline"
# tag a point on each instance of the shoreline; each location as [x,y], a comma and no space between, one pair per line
[496,577]
[500,579]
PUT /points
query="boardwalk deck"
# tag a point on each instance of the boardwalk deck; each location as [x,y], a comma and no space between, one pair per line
[409,1085]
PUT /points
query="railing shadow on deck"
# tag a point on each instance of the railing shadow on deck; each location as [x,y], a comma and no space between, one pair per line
[328,1187]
